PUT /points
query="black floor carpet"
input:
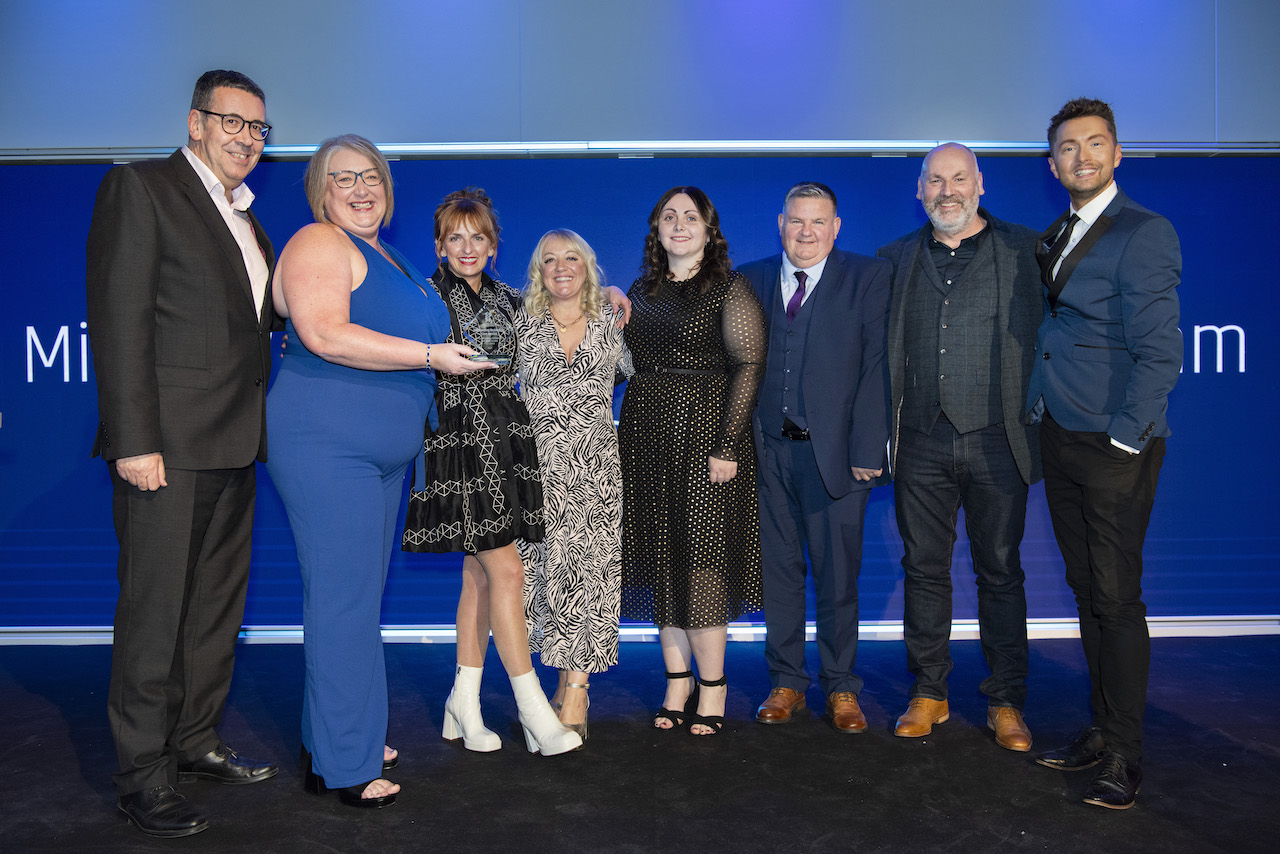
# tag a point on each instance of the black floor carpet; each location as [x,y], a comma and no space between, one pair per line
[1212,773]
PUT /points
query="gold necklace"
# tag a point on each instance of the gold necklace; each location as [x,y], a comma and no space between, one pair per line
[564,327]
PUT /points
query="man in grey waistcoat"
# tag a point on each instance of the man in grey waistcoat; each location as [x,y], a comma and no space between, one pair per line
[963,316]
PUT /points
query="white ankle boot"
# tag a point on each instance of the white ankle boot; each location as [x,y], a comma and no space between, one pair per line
[462,713]
[543,732]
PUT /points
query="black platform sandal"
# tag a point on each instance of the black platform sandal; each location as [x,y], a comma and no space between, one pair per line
[716,722]
[677,718]
[351,796]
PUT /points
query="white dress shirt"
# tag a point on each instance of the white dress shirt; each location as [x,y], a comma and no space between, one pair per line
[237,219]
[789,283]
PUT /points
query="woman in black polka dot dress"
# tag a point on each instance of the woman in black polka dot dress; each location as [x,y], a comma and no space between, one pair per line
[691,530]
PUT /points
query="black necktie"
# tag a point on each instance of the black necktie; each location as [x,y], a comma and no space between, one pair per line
[1056,250]
[793,304]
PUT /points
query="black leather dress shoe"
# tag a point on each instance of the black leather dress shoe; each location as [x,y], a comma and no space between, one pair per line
[221,765]
[161,811]
[1116,785]
[1084,751]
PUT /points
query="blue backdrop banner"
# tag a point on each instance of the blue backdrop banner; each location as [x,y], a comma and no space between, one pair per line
[1211,549]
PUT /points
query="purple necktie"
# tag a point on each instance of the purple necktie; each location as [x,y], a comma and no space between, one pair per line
[793,304]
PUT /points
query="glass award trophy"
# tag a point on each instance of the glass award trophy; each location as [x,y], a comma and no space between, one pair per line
[490,333]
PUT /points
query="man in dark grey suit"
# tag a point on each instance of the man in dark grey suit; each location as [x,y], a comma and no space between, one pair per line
[180,317]
[1110,354]
[962,336]
[821,427]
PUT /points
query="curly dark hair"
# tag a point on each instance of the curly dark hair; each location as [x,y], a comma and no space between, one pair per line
[1080,108]
[715,264]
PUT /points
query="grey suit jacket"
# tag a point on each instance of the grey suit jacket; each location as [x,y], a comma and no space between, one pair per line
[181,354]
[1017,319]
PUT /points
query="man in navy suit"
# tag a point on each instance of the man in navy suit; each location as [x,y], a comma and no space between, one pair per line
[962,338]
[1109,353]
[821,427]
[180,317]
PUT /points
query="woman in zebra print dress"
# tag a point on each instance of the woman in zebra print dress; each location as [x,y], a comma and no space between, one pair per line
[571,351]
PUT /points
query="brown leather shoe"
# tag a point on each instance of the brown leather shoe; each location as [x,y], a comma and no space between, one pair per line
[1011,731]
[842,708]
[921,714]
[780,705]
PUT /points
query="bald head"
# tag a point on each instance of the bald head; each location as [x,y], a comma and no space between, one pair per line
[948,188]
[956,149]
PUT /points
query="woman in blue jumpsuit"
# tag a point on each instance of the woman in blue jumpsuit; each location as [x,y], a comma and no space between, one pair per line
[344,421]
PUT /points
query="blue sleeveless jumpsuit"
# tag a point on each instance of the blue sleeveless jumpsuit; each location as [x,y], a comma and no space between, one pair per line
[340,441]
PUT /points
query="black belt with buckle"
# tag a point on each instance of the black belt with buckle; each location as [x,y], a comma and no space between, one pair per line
[697,372]
[795,435]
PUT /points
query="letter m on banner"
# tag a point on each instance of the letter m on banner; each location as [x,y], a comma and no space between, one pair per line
[60,343]
[1219,345]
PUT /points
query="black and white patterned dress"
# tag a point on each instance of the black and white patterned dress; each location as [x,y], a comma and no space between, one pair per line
[477,485]
[572,579]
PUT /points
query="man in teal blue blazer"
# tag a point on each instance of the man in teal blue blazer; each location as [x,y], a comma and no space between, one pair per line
[1109,353]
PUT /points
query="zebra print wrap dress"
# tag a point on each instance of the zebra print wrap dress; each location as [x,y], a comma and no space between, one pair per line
[572,578]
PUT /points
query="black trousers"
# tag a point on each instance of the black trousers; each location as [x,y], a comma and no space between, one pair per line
[184,571]
[1100,499]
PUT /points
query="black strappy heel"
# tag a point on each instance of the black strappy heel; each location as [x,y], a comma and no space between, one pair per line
[677,718]
[716,722]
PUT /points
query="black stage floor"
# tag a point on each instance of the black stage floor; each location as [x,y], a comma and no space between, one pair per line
[1212,773]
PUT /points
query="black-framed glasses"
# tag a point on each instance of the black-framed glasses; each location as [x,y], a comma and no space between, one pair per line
[346,179]
[233,124]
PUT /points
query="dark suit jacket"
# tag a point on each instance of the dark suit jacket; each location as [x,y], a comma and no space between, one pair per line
[1110,349]
[1018,315]
[181,355]
[844,379]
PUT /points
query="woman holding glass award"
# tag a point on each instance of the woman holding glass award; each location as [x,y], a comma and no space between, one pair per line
[355,382]
[480,491]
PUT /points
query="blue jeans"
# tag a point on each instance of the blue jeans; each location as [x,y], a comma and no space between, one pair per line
[937,474]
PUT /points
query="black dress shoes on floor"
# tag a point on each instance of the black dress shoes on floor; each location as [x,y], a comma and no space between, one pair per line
[162,811]
[222,765]
[1116,785]
[1084,751]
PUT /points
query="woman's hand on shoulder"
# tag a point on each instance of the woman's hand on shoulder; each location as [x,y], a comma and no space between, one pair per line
[620,303]
[456,359]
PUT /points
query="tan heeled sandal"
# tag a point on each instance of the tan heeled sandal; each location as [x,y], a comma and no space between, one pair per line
[580,729]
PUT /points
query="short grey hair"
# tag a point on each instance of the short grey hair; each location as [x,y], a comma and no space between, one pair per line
[810,190]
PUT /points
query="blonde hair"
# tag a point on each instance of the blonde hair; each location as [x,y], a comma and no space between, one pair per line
[537,299]
[316,179]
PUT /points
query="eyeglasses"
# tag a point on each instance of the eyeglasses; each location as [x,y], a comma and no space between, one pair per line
[346,179]
[233,124]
